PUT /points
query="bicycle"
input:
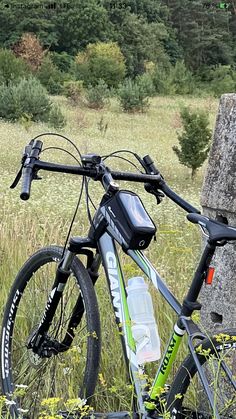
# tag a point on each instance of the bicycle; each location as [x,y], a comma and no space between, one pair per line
[34,346]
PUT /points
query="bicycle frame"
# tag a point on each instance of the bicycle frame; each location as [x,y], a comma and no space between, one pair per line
[108,255]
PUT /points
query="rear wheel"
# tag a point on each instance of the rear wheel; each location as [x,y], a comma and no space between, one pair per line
[27,378]
[187,398]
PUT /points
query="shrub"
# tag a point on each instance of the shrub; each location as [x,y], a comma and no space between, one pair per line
[194,141]
[73,90]
[174,80]
[11,68]
[101,61]
[222,80]
[145,83]
[56,118]
[62,60]
[50,76]
[96,96]
[133,96]
[162,82]
[182,79]
[28,97]
[30,50]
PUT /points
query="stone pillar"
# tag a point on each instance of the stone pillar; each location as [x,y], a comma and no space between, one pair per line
[219,199]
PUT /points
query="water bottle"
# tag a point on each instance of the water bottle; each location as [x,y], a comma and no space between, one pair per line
[144,328]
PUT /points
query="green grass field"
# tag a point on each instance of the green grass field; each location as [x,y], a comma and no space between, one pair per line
[45,218]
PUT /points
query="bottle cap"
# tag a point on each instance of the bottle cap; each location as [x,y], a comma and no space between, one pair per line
[136,282]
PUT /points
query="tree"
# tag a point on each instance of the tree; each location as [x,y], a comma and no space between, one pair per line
[194,141]
[83,22]
[202,32]
[30,50]
[11,68]
[103,60]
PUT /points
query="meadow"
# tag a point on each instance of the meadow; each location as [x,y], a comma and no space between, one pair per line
[45,218]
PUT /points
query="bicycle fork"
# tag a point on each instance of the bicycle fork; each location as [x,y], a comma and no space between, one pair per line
[39,342]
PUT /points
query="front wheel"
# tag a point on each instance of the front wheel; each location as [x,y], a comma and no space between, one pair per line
[27,378]
[187,398]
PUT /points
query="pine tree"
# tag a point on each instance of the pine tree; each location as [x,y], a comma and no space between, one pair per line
[194,141]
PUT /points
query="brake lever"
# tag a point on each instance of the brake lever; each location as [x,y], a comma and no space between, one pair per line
[17,178]
[156,192]
[19,174]
[25,155]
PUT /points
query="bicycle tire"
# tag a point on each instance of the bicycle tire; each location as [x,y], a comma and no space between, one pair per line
[56,376]
[187,399]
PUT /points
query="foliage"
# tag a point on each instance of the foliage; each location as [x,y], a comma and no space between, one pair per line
[50,76]
[202,33]
[56,119]
[11,68]
[140,30]
[30,50]
[145,83]
[162,80]
[222,80]
[101,61]
[155,30]
[73,90]
[96,96]
[28,99]
[175,79]
[62,60]
[194,140]
[182,79]
[133,96]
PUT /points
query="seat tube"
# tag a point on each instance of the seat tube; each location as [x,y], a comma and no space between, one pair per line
[190,302]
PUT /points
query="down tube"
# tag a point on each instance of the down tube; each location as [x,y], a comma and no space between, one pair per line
[118,293]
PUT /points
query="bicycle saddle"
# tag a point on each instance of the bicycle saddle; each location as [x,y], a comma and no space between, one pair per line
[217,230]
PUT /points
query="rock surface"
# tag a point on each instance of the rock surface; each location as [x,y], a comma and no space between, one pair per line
[219,199]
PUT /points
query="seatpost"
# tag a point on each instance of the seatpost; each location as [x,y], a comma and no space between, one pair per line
[190,302]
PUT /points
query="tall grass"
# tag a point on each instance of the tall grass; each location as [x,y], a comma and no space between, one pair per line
[45,218]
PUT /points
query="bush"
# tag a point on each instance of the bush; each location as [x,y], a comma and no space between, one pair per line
[56,118]
[50,76]
[30,50]
[145,83]
[11,68]
[133,96]
[28,97]
[194,141]
[222,80]
[97,96]
[163,82]
[182,79]
[174,80]
[101,61]
[73,90]
[62,60]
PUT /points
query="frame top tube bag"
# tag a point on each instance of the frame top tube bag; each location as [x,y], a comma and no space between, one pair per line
[131,219]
